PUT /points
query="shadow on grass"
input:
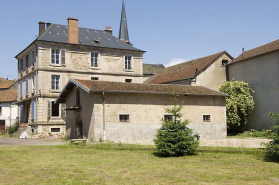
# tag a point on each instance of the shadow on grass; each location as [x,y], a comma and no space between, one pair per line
[273,159]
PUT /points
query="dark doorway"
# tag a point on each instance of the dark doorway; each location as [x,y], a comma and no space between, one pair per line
[2,125]
[79,128]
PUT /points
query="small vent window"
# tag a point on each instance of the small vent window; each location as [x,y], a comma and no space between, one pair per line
[168,117]
[124,117]
[224,62]
[94,78]
[128,80]
[206,118]
[55,130]
[96,41]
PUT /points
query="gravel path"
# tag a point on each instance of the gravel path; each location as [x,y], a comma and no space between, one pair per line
[4,141]
[235,142]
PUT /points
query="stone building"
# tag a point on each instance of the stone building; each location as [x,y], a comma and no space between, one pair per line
[131,113]
[61,52]
[209,71]
[259,67]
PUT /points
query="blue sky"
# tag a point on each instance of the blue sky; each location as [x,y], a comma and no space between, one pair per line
[170,31]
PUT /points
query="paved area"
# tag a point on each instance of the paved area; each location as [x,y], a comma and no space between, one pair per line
[235,142]
[4,141]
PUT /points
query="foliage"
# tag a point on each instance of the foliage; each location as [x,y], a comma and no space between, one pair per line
[263,133]
[239,104]
[174,138]
[272,148]
[13,129]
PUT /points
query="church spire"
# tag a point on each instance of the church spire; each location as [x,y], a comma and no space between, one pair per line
[123,31]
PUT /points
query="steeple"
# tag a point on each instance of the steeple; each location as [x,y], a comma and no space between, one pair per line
[123,31]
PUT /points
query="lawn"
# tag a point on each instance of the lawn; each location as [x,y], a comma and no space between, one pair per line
[131,164]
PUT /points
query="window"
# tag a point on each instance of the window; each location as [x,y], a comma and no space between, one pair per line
[33,110]
[94,59]
[128,80]
[21,64]
[33,58]
[168,117]
[33,82]
[206,118]
[54,109]
[27,61]
[94,78]
[20,112]
[124,117]
[55,56]
[225,62]
[0,110]
[21,88]
[128,62]
[55,130]
[55,82]
[26,83]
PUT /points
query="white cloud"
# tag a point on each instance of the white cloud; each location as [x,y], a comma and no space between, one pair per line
[179,60]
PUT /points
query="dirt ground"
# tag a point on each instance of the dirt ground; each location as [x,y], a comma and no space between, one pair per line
[5,141]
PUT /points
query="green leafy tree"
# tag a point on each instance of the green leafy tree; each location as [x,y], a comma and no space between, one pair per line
[174,138]
[272,147]
[239,104]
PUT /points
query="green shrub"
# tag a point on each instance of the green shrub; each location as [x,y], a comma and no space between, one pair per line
[13,129]
[272,148]
[174,138]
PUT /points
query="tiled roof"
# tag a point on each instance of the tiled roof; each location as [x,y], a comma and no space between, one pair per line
[106,86]
[152,68]
[184,70]
[8,95]
[267,48]
[5,84]
[86,36]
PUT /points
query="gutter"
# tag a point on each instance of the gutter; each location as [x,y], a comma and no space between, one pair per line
[104,120]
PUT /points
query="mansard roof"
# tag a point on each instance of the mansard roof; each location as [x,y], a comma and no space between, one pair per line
[121,87]
[90,37]
[261,50]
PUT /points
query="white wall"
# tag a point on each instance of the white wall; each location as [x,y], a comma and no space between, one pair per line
[9,113]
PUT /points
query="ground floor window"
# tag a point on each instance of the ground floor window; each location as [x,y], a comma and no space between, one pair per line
[53,109]
[168,117]
[206,118]
[128,80]
[124,117]
[55,130]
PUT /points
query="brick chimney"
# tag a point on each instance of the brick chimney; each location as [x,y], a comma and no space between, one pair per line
[73,30]
[42,27]
[108,30]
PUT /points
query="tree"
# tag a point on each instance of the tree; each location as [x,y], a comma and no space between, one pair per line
[174,138]
[239,104]
[272,147]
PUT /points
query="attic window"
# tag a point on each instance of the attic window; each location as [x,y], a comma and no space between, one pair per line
[96,41]
[224,62]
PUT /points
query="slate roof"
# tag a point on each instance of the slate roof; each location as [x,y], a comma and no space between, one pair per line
[8,95]
[121,87]
[151,68]
[59,33]
[6,84]
[185,70]
[267,48]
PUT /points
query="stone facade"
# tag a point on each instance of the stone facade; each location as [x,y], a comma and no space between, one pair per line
[40,71]
[145,112]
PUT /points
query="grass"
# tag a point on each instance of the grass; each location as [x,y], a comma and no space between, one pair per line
[255,134]
[133,164]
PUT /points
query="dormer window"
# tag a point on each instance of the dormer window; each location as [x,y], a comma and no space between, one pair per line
[224,62]
[96,41]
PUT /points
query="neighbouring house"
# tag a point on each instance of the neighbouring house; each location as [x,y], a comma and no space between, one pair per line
[8,108]
[61,52]
[150,69]
[209,71]
[131,112]
[259,67]
[6,84]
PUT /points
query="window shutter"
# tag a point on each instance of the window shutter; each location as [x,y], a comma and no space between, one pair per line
[63,62]
[32,110]
[63,111]
[20,88]
[26,85]
[20,110]
[49,109]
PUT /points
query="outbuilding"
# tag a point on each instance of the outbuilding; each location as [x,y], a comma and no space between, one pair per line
[131,112]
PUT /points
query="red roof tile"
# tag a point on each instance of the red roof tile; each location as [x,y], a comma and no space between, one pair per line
[5,84]
[8,95]
[184,70]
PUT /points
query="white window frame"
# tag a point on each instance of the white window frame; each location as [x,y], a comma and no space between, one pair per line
[59,57]
[59,81]
[98,59]
[131,63]
[207,115]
